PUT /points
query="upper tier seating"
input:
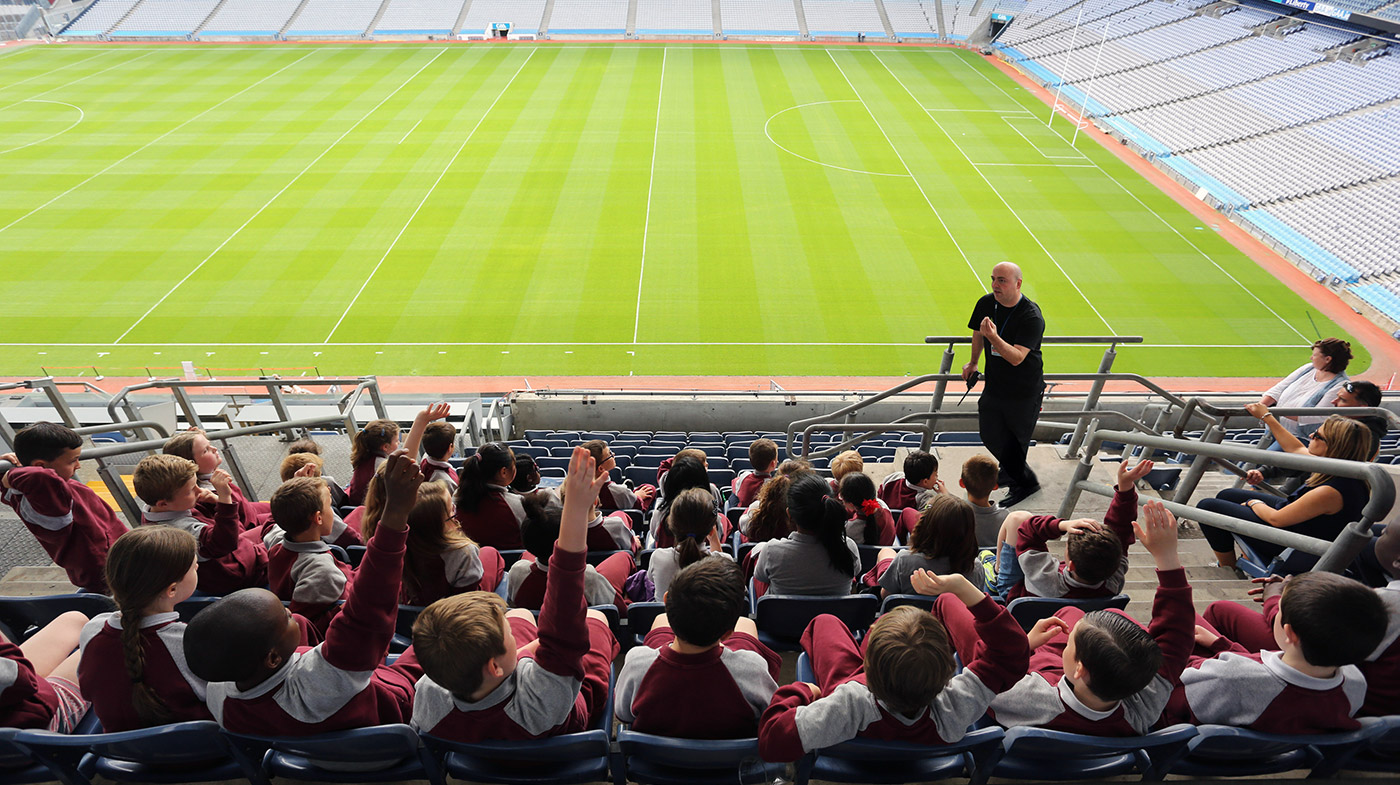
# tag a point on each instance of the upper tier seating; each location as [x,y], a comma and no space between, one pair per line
[695,17]
[589,16]
[523,15]
[757,17]
[334,17]
[100,17]
[842,17]
[419,16]
[913,18]
[165,17]
[250,17]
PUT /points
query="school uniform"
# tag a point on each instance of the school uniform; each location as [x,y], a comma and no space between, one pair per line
[987,523]
[308,576]
[27,700]
[876,529]
[610,533]
[1046,576]
[665,563]
[896,575]
[716,694]
[561,688]
[795,723]
[496,519]
[458,569]
[227,561]
[898,493]
[439,471]
[359,480]
[799,564]
[747,486]
[528,580]
[616,496]
[251,514]
[341,683]
[73,524]
[103,677]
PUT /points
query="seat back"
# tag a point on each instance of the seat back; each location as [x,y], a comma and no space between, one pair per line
[195,751]
[1029,610]
[23,616]
[893,601]
[781,619]
[663,760]
[360,754]
[640,616]
[872,761]
[1037,753]
[1223,751]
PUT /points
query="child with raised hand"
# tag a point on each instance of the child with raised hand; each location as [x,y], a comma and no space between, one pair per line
[701,673]
[194,445]
[1096,553]
[169,486]
[301,569]
[870,522]
[442,561]
[438,438]
[899,685]
[489,511]
[493,674]
[73,524]
[527,582]
[261,681]
[133,661]
[944,543]
[1101,673]
[817,558]
[39,678]
[370,447]
[692,522]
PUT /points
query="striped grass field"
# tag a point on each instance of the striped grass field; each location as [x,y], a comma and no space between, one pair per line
[582,209]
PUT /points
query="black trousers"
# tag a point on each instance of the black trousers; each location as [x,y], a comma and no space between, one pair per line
[1006,424]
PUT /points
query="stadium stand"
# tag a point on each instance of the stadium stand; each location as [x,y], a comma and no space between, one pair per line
[758,17]
[100,17]
[421,17]
[675,17]
[524,15]
[842,18]
[10,18]
[249,18]
[588,17]
[334,18]
[165,18]
[913,18]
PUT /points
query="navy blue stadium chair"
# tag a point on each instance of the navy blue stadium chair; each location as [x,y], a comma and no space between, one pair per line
[781,619]
[340,554]
[722,478]
[516,444]
[356,553]
[531,450]
[741,464]
[661,449]
[870,554]
[717,461]
[740,437]
[893,601]
[876,454]
[623,449]
[21,617]
[640,616]
[958,437]
[1382,753]
[561,452]
[733,514]
[662,760]
[1222,751]
[534,435]
[194,605]
[553,462]
[553,472]
[546,442]
[183,752]
[1040,754]
[403,627]
[640,474]
[568,436]
[891,762]
[18,766]
[734,450]
[1029,610]
[606,436]
[383,753]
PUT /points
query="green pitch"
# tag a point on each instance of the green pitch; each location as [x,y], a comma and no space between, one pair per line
[581,209]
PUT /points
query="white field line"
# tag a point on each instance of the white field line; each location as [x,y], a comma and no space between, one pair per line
[269,202]
[1019,220]
[1052,166]
[775,115]
[124,158]
[651,183]
[54,71]
[79,79]
[411,130]
[898,155]
[187,345]
[1076,157]
[427,195]
[75,124]
[1157,215]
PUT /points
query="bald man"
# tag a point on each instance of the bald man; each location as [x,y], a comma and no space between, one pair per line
[1009,327]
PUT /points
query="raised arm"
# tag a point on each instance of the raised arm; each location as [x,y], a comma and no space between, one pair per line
[1286,440]
[563,624]
[436,411]
[1173,622]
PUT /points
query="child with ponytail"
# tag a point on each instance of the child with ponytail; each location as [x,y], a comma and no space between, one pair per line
[133,661]
[871,522]
[488,510]
[370,447]
[817,558]
[692,522]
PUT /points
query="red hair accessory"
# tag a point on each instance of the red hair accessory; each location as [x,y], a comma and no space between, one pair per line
[870,506]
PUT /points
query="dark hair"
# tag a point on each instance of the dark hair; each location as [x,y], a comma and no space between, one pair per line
[229,640]
[437,440]
[525,469]
[919,466]
[705,600]
[540,529]
[691,518]
[762,454]
[304,445]
[478,470]
[1367,392]
[45,441]
[1119,655]
[908,659]
[794,466]
[1094,554]
[856,489]
[769,520]
[812,509]
[1337,351]
[948,528]
[685,472]
[1338,620]
[370,441]
[295,502]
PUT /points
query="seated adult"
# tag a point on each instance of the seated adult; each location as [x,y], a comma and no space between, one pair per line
[1321,508]
[1313,383]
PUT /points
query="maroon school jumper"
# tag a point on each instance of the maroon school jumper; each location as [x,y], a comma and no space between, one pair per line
[251,514]
[440,471]
[103,678]
[227,561]
[72,523]
[561,688]
[748,485]
[496,519]
[454,571]
[716,694]
[306,575]
[27,700]
[898,493]
[611,533]
[342,683]
[1046,576]
[795,724]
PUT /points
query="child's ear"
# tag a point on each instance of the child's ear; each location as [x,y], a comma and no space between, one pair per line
[273,660]
[664,595]
[171,589]
[1289,635]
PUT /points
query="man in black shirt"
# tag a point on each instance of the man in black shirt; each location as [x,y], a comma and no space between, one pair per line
[1009,326]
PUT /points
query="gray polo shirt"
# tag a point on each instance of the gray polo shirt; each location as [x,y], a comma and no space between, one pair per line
[800,565]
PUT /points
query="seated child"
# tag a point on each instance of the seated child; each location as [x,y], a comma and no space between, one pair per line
[1101,673]
[687,471]
[133,661]
[493,674]
[979,479]
[194,445]
[843,464]
[615,496]
[309,447]
[73,524]
[39,680]
[305,464]
[942,543]
[691,480]
[692,522]
[1096,553]
[528,579]
[488,510]
[767,518]
[702,673]
[261,681]
[912,487]
[817,558]
[870,522]
[1325,624]
[901,685]
[228,562]
[527,474]
[763,456]
[442,561]
[300,567]
[368,449]
[438,440]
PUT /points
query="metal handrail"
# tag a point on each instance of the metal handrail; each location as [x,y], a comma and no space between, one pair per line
[1335,555]
[1056,339]
[1224,413]
[273,386]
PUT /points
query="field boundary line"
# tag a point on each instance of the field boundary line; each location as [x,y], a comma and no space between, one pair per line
[1155,214]
[1077,157]
[905,164]
[980,174]
[1053,166]
[651,183]
[54,71]
[406,344]
[124,158]
[269,202]
[79,79]
[427,195]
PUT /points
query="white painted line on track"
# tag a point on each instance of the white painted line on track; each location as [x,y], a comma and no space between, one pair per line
[651,182]
[32,345]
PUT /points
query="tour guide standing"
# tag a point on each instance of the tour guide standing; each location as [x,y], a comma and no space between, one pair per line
[1010,327]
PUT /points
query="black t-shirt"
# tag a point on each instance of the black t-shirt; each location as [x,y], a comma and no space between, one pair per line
[1019,325]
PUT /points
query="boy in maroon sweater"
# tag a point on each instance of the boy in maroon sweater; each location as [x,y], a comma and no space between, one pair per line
[763,456]
[228,561]
[912,487]
[1102,674]
[903,687]
[702,673]
[262,682]
[494,675]
[73,524]
[300,567]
